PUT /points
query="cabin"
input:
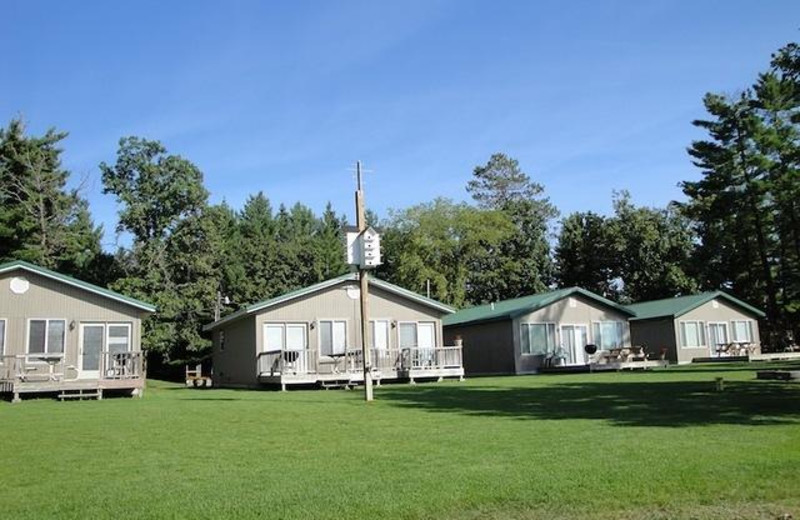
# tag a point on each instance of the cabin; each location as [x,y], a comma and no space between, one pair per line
[697,327]
[312,336]
[525,335]
[65,336]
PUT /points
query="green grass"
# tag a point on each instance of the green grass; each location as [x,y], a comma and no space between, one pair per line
[623,445]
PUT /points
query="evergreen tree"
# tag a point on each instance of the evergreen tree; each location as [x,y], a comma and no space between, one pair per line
[587,254]
[260,274]
[523,264]
[730,203]
[41,220]
[329,241]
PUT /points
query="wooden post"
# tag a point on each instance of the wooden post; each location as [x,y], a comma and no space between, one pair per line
[363,279]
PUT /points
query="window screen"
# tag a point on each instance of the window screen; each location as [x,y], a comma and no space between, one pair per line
[37,335]
[408,335]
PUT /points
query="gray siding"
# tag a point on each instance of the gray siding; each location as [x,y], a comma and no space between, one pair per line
[47,298]
[653,335]
[237,366]
[717,310]
[334,303]
[488,347]
[495,347]
[573,310]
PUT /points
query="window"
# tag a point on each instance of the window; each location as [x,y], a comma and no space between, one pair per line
[718,333]
[119,338]
[284,336]
[608,334]
[420,334]
[221,340]
[742,331]
[692,334]
[538,338]
[46,336]
[408,335]
[332,337]
[380,334]
[2,337]
[273,337]
[295,337]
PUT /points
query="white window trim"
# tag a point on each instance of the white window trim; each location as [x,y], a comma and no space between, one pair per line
[556,335]
[282,324]
[435,332]
[106,325]
[416,325]
[598,342]
[561,344]
[127,325]
[701,326]
[717,323]
[388,332]
[319,335]
[750,332]
[400,326]
[29,354]
[4,338]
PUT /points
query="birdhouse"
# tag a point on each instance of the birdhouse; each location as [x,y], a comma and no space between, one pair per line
[370,249]
[363,249]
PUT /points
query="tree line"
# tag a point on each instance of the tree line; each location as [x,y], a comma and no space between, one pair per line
[738,229]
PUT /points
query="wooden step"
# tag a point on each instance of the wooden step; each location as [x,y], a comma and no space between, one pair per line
[346,384]
[93,393]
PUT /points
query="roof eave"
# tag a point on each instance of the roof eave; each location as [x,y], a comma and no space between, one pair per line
[266,304]
[80,284]
[725,296]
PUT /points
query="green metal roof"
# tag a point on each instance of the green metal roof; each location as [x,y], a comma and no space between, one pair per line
[299,293]
[674,307]
[47,273]
[507,309]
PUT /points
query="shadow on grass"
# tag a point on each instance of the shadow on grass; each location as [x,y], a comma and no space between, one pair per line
[667,404]
[733,367]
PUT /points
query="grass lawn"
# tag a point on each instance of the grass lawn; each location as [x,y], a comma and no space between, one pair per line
[660,445]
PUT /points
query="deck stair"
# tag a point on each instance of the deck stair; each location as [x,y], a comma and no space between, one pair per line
[81,394]
[337,383]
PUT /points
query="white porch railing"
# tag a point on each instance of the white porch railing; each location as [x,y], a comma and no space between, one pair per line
[387,362]
[279,362]
[122,365]
[32,368]
[432,358]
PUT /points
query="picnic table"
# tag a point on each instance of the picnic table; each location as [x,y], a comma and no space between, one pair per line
[625,354]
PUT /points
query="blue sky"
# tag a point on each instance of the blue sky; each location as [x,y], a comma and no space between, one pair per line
[284,97]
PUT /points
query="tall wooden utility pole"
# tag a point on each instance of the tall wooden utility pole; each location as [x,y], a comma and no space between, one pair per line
[361,223]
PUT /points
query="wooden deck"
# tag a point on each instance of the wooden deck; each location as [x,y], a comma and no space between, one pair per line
[629,365]
[605,367]
[775,356]
[21,375]
[306,367]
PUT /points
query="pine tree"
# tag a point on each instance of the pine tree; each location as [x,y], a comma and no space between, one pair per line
[523,264]
[41,220]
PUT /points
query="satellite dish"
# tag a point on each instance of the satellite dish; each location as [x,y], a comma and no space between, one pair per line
[590,349]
